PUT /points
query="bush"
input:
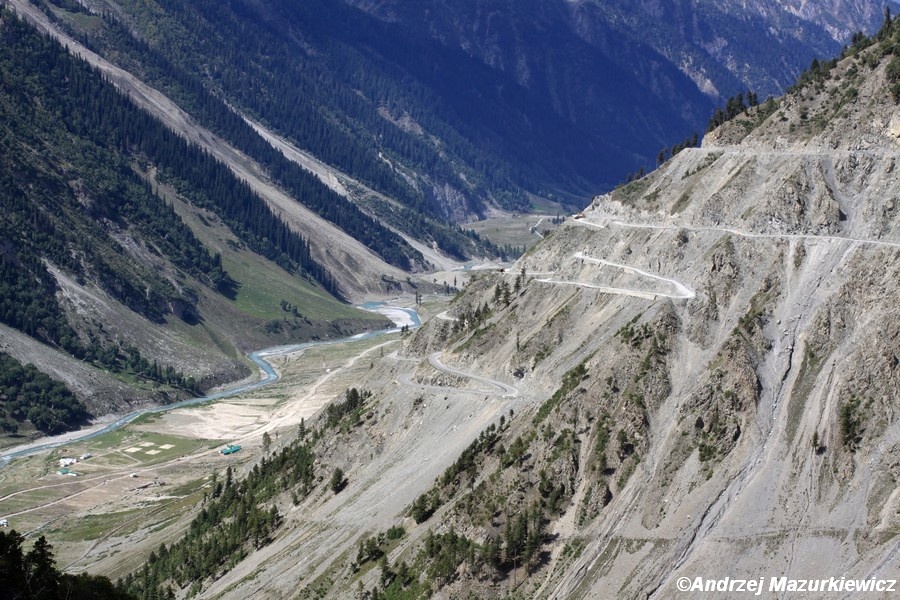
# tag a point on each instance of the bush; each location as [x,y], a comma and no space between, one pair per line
[851,425]
[338,481]
[893,77]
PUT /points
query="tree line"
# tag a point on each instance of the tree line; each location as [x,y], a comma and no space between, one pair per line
[734,106]
[33,575]
[28,394]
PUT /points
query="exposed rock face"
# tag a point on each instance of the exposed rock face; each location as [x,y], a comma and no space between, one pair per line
[735,314]
[841,18]
[707,374]
[776,450]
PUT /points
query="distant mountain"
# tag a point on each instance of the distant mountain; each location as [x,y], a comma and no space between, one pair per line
[428,125]
[634,77]
[723,47]
[449,108]
[840,18]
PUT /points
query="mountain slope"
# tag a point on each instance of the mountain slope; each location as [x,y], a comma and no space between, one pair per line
[724,47]
[451,110]
[841,18]
[736,410]
[425,124]
[342,103]
[129,250]
[699,378]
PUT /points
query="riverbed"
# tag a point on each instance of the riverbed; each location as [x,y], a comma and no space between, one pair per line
[398,315]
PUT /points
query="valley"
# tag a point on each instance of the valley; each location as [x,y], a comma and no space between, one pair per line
[324,284]
[143,470]
[434,397]
[133,467]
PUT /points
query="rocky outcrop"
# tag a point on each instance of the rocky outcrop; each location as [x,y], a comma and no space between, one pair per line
[706,379]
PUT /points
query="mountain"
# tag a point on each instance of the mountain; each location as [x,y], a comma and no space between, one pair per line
[569,51]
[426,112]
[135,267]
[384,126]
[330,146]
[697,378]
[644,396]
[841,18]
[724,47]
[428,126]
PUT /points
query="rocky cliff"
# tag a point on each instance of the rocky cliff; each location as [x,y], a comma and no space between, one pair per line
[698,377]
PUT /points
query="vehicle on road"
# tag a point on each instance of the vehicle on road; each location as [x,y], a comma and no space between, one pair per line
[230,449]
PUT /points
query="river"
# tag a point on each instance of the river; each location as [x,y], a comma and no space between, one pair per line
[400,317]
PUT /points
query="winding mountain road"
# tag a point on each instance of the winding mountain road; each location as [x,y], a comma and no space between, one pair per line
[607,221]
[508,391]
[681,291]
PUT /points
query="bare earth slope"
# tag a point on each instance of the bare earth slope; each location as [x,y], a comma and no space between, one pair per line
[784,366]
[730,329]
[699,378]
[803,246]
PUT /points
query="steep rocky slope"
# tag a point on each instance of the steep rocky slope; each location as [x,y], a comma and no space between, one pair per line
[699,378]
[746,383]
[841,18]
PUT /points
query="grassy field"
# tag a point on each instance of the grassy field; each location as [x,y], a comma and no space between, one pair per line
[28,499]
[263,284]
[52,500]
[155,447]
[127,448]
[94,526]
[512,230]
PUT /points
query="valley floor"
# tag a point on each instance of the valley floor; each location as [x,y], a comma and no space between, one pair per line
[140,484]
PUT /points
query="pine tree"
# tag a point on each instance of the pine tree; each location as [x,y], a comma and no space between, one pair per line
[338,482]
[43,578]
